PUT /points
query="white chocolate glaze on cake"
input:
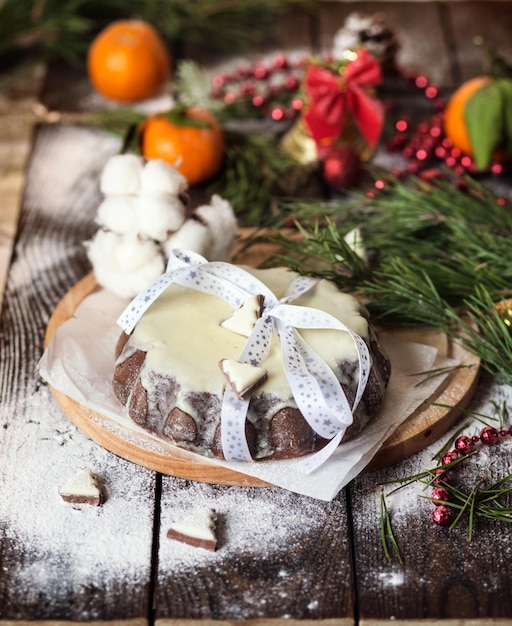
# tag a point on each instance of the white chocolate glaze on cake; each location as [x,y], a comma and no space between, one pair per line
[171,372]
[183,335]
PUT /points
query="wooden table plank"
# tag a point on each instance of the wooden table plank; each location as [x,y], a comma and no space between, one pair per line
[490,21]
[59,561]
[16,126]
[49,571]
[280,557]
[436,38]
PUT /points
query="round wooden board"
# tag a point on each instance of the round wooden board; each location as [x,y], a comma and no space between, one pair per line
[420,429]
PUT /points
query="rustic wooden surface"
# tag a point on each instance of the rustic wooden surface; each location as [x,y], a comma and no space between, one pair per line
[282,557]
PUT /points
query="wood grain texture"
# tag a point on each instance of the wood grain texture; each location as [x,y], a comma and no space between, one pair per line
[143,450]
[438,414]
[436,38]
[280,556]
[160,457]
[445,580]
[61,579]
[490,21]
[60,562]
[259,621]
[60,622]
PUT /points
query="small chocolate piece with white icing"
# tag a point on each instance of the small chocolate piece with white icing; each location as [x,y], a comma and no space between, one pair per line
[243,319]
[242,377]
[82,488]
[197,529]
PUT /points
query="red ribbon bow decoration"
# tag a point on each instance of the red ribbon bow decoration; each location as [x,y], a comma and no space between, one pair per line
[331,96]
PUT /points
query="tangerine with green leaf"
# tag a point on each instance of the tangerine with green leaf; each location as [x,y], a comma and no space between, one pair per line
[191,140]
[478,119]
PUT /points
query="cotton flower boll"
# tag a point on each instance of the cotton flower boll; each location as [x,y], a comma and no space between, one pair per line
[124,264]
[119,214]
[158,177]
[221,222]
[134,254]
[101,250]
[159,215]
[121,175]
[194,235]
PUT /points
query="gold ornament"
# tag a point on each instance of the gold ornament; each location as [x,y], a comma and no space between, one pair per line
[504,308]
[298,143]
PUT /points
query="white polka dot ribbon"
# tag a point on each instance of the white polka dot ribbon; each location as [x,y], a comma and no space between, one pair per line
[192,270]
[314,386]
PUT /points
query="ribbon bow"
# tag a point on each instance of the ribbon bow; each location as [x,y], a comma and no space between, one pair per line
[331,96]
[315,388]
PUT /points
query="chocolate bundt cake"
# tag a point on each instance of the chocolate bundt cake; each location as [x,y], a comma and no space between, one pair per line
[172,369]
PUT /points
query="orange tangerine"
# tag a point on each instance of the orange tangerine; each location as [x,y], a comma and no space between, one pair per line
[195,148]
[454,121]
[128,61]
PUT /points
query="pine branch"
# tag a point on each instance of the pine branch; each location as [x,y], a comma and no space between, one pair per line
[192,87]
[479,500]
[253,165]
[488,335]
[46,29]
[435,254]
[63,29]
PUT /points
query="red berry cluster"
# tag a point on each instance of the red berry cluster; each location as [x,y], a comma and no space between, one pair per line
[270,87]
[464,446]
[426,145]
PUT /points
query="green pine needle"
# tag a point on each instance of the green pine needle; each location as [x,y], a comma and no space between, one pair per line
[434,373]
[388,540]
[253,166]
[475,415]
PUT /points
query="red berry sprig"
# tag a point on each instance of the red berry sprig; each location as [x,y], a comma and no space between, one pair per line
[464,447]
[269,87]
